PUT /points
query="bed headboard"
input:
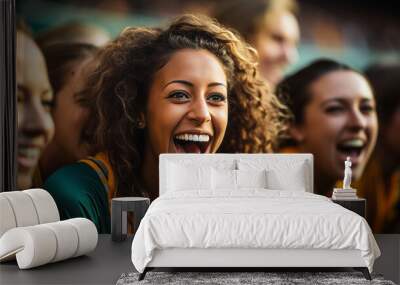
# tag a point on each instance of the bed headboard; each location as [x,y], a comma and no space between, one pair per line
[275,161]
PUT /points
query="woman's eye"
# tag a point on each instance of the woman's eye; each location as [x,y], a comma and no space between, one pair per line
[80,98]
[366,109]
[216,97]
[179,96]
[334,109]
[47,104]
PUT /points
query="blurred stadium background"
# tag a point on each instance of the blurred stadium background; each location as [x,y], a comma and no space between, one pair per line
[357,32]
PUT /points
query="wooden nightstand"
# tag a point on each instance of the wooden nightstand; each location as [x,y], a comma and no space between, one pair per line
[358,205]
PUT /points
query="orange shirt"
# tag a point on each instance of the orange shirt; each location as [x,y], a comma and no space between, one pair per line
[108,181]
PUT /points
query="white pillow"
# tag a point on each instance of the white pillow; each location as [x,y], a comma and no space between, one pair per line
[223,179]
[251,178]
[202,160]
[181,177]
[291,180]
[282,173]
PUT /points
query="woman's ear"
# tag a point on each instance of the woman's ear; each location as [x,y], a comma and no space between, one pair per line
[296,133]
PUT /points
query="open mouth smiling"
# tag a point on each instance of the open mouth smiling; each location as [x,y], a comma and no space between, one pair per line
[28,156]
[192,142]
[352,147]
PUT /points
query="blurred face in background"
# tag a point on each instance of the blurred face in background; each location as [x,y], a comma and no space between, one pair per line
[69,116]
[35,98]
[276,43]
[339,121]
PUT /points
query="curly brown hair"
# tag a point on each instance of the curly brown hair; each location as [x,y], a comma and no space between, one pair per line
[118,91]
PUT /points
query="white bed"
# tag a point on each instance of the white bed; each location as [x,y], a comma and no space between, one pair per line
[198,223]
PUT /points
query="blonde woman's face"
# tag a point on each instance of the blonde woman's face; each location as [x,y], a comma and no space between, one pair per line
[34,95]
[187,110]
[339,121]
[276,44]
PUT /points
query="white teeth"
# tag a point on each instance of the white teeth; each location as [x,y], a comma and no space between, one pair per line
[353,143]
[192,137]
[29,152]
[204,138]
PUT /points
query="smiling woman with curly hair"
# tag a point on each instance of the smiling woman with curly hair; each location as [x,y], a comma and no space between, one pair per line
[192,87]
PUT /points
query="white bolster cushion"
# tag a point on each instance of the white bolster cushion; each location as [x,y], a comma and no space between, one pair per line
[26,208]
[66,238]
[7,218]
[24,211]
[87,235]
[45,205]
[40,244]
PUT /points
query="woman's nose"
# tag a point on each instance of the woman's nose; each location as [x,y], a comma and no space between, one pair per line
[199,112]
[36,120]
[357,120]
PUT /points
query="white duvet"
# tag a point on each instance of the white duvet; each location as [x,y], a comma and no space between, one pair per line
[250,218]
